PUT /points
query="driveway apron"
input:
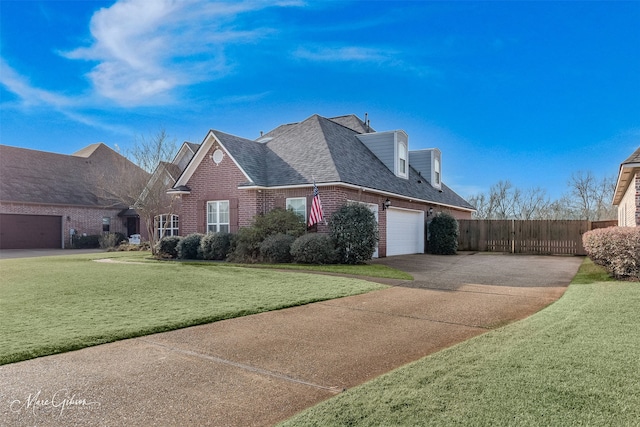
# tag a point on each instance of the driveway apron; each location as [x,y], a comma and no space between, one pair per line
[261,369]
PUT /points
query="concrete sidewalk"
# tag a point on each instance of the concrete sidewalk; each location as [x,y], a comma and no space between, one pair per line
[260,369]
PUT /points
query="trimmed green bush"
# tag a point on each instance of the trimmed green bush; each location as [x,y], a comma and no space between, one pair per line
[167,247]
[277,248]
[189,246]
[215,246]
[86,242]
[313,248]
[277,221]
[615,248]
[443,238]
[354,231]
[246,243]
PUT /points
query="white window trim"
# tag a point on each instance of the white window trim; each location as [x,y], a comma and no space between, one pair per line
[217,224]
[437,178]
[304,204]
[171,230]
[400,173]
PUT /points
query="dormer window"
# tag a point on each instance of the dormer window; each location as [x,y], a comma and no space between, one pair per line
[436,171]
[402,159]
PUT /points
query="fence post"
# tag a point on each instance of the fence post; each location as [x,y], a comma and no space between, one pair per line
[513,236]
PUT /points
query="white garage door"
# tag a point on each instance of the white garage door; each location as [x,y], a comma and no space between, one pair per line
[405,231]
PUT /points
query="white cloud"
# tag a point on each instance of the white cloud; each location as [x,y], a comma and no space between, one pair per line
[343,54]
[144,49]
[29,95]
[380,57]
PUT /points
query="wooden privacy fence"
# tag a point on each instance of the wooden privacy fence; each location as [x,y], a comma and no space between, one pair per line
[525,237]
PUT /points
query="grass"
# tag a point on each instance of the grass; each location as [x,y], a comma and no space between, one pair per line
[368,270]
[577,362]
[54,304]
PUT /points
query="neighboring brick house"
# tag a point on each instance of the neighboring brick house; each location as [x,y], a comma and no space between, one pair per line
[230,179]
[627,192]
[45,197]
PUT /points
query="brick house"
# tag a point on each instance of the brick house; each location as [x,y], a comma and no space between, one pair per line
[231,179]
[46,197]
[627,192]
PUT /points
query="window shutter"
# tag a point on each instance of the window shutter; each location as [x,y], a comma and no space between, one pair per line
[201,226]
[234,219]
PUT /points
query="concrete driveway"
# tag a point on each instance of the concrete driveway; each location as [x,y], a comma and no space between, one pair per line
[261,369]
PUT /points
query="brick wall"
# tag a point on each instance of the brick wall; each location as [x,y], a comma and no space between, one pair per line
[86,220]
[637,199]
[212,182]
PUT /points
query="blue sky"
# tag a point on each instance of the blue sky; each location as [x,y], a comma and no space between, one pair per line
[524,91]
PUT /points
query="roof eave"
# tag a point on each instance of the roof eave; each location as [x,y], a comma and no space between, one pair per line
[626,170]
[357,187]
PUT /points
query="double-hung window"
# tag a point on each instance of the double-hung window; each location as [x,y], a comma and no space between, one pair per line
[218,216]
[299,206]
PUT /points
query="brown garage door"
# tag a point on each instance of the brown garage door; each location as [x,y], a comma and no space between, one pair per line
[30,231]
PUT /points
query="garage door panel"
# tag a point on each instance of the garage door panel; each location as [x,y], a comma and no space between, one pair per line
[30,231]
[405,231]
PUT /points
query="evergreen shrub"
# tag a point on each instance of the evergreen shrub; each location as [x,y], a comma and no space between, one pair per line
[189,246]
[354,231]
[215,246]
[277,248]
[167,247]
[313,248]
[444,231]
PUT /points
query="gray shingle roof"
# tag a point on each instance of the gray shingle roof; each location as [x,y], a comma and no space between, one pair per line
[327,151]
[634,158]
[41,177]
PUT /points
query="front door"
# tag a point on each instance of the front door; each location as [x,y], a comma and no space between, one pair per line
[133,226]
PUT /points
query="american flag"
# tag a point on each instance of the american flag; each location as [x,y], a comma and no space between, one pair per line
[316,214]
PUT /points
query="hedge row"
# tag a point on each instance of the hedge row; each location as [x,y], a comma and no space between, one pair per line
[309,248]
[615,248]
[278,237]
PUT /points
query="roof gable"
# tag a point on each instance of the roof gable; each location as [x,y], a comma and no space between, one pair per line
[33,176]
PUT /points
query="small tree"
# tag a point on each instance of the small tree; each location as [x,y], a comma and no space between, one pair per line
[354,230]
[443,239]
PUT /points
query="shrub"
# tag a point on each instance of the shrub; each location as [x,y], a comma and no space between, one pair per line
[245,245]
[215,246]
[189,246]
[354,231]
[615,248]
[111,240]
[167,247]
[86,242]
[277,248]
[313,248]
[443,238]
[277,221]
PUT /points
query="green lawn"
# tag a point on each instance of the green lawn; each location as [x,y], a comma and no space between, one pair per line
[55,304]
[577,362]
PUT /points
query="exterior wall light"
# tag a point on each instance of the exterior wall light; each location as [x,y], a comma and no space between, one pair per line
[386,204]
